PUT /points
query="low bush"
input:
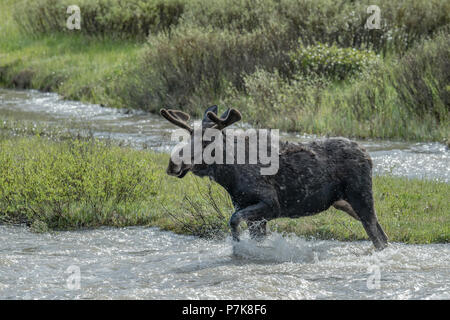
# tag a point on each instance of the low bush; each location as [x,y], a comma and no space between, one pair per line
[203,213]
[191,67]
[332,62]
[413,87]
[422,79]
[405,98]
[341,22]
[274,102]
[106,18]
[73,183]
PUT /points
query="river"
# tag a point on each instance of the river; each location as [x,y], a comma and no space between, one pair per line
[146,263]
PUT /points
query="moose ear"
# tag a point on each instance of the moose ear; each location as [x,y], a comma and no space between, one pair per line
[212,109]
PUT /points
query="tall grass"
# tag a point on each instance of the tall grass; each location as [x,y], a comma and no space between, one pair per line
[422,79]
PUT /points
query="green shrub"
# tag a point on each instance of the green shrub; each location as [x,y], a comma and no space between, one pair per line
[111,18]
[332,62]
[422,79]
[217,43]
[233,15]
[191,67]
[272,101]
[404,98]
[413,86]
[340,22]
[73,183]
[205,213]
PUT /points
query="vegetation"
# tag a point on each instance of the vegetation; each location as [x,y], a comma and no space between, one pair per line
[341,22]
[81,182]
[308,66]
[78,67]
[110,18]
[73,184]
[332,62]
[190,54]
[403,98]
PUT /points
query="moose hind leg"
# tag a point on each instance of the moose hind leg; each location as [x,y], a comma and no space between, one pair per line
[362,204]
[383,234]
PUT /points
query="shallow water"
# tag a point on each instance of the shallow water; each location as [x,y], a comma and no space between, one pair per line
[140,129]
[145,263]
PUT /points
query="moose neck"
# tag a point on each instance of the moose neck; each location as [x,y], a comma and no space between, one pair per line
[223,173]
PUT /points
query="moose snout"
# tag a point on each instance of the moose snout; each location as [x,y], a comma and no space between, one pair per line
[173,169]
[177,170]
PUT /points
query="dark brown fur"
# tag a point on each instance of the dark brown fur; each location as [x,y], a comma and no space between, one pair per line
[311,177]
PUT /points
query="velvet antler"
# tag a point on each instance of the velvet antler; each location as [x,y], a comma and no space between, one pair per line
[176,117]
[227,119]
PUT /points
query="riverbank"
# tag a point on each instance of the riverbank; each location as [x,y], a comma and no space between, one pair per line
[77,183]
[76,66]
[193,61]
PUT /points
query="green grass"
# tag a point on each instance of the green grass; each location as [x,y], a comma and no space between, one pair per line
[236,55]
[82,183]
[76,183]
[76,66]
[216,53]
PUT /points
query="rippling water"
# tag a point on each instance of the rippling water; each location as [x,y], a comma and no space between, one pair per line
[145,263]
[422,160]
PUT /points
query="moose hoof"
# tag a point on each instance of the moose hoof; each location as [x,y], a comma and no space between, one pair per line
[381,246]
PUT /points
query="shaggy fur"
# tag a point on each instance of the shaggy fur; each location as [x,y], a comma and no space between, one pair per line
[311,177]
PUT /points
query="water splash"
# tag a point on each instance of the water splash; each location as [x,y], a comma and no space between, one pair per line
[145,263]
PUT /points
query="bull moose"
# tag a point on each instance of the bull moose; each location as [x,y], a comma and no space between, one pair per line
[311,178]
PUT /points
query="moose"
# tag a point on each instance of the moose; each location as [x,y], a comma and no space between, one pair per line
[311,178]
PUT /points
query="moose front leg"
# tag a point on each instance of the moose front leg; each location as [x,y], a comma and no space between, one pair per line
[254,212]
